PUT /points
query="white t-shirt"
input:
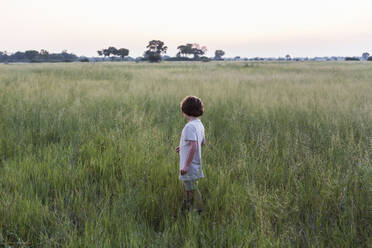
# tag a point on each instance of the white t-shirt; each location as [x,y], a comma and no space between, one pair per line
[193,131]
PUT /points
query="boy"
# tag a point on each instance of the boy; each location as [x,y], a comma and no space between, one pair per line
[192,139]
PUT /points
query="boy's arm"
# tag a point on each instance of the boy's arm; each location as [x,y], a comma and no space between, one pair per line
[193,146]
[203,142]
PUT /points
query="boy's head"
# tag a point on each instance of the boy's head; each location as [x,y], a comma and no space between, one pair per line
[192,106]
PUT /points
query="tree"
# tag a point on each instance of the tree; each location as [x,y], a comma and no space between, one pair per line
[112,50]
[365,56]
[181,50]
[31,54]
[18,56]
[106,53]
[288,57]
[68,57]
[44,52]
[191,49]
[122,52]
[44,55]
[100,53]
[3,56]
[184,49]
[218,54]
[198,50]
[154,50]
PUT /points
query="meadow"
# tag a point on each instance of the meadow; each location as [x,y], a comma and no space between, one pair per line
[87,154]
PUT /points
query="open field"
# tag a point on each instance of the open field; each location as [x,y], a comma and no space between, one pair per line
[87,155]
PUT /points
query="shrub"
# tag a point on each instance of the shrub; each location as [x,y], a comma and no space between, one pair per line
[152,56]
[352,59]
[84,59]
[179,59]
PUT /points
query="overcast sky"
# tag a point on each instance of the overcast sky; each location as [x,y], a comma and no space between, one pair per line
[240,27]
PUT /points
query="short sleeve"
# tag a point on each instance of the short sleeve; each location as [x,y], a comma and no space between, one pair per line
[190,133]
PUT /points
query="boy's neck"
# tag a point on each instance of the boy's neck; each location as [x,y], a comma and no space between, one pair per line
[190,118]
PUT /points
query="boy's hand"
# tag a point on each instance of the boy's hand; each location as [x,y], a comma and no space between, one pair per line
[177,149]
[190,156]
[184,170]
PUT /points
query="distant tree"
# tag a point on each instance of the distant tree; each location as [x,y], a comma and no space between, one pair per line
[122,52]
[154,50]
[106,53]
[68,57]
[365,55]
[31,55]
[198,50]
[44,52]
[369,58]
[181,50]
[218,54]
[18,56]
[3,56]
[191,49]
[185,50]
[288,57]
[112,50]
[44,55]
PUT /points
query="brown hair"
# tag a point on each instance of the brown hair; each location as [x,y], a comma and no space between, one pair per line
[192,106]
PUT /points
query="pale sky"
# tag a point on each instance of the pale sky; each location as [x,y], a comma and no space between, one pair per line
[265,28]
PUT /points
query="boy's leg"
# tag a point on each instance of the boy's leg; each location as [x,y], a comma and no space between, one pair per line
[191,187]
[189,193]
[200,201]
[190,199]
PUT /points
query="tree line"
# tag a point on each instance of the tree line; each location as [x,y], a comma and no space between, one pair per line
[155,52]
[157,48]
[34,56]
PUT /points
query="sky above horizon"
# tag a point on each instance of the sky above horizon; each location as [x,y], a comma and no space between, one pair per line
[266,28]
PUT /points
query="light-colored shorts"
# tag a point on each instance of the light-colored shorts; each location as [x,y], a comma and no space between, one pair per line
[190,185]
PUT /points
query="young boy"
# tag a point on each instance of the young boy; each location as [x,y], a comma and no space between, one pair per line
[192,139]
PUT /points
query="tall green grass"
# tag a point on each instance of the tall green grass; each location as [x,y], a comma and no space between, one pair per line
[87,155]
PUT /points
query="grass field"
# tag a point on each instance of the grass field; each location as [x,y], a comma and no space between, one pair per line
[87,155]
